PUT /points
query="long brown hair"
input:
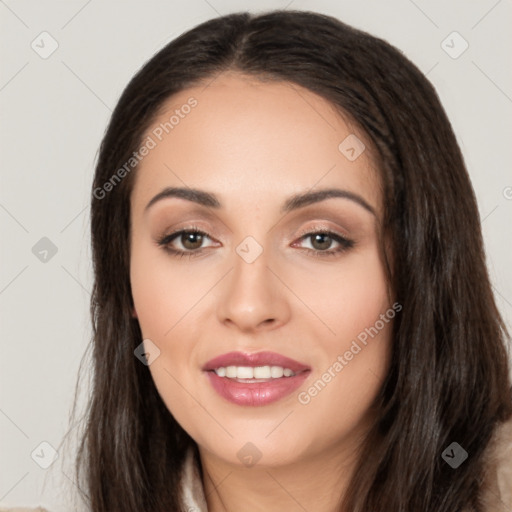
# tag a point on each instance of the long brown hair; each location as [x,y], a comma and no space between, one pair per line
[448,379]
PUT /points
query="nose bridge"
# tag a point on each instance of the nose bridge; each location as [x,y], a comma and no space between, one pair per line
[252,295]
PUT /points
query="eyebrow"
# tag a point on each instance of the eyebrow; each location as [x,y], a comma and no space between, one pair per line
[292,203]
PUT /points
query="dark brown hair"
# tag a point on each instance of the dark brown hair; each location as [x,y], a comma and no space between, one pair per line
[448,379]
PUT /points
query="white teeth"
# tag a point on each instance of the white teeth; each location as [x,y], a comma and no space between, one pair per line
[231,372]
[221,372]
[257,372]
[262,372]
[244,372]
[276,372]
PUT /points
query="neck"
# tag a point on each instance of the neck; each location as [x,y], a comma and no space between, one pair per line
[315,482]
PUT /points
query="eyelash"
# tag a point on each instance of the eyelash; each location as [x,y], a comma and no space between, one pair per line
[345,243]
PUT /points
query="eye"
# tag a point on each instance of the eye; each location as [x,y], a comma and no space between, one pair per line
[322,240]
[191,240]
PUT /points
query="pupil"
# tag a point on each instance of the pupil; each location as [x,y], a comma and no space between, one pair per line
[189,237]
[324,245]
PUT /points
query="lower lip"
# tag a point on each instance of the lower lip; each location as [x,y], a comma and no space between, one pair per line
[257,393]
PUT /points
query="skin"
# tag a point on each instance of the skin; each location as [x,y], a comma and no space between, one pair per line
[253,145]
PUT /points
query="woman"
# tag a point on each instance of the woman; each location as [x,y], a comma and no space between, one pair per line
[291,307]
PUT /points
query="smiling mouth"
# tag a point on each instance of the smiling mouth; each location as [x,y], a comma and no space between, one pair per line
[255,379]
[255,392]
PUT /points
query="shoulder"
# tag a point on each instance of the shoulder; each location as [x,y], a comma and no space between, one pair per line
[497,483]
[22,509]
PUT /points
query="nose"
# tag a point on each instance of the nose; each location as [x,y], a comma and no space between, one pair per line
[252,297]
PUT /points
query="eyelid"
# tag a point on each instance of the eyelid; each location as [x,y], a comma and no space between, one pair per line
[166,239]
[322,228]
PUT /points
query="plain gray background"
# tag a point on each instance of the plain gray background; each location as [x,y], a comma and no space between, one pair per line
[54,111]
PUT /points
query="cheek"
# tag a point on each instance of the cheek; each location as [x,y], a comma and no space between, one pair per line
[346,297]
[354,360]
[339,398]
[161,294]
[365,326]
[164,298]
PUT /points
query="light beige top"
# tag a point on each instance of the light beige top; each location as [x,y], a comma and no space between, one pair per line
[38,509]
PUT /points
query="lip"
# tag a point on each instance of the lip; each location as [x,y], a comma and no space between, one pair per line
[265,358]
[256,393]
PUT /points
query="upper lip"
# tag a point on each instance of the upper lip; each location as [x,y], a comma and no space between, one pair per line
[254,359]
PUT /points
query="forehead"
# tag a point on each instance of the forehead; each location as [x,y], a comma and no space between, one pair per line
[241,137]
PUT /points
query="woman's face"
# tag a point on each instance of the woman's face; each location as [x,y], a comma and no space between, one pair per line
[259,279]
